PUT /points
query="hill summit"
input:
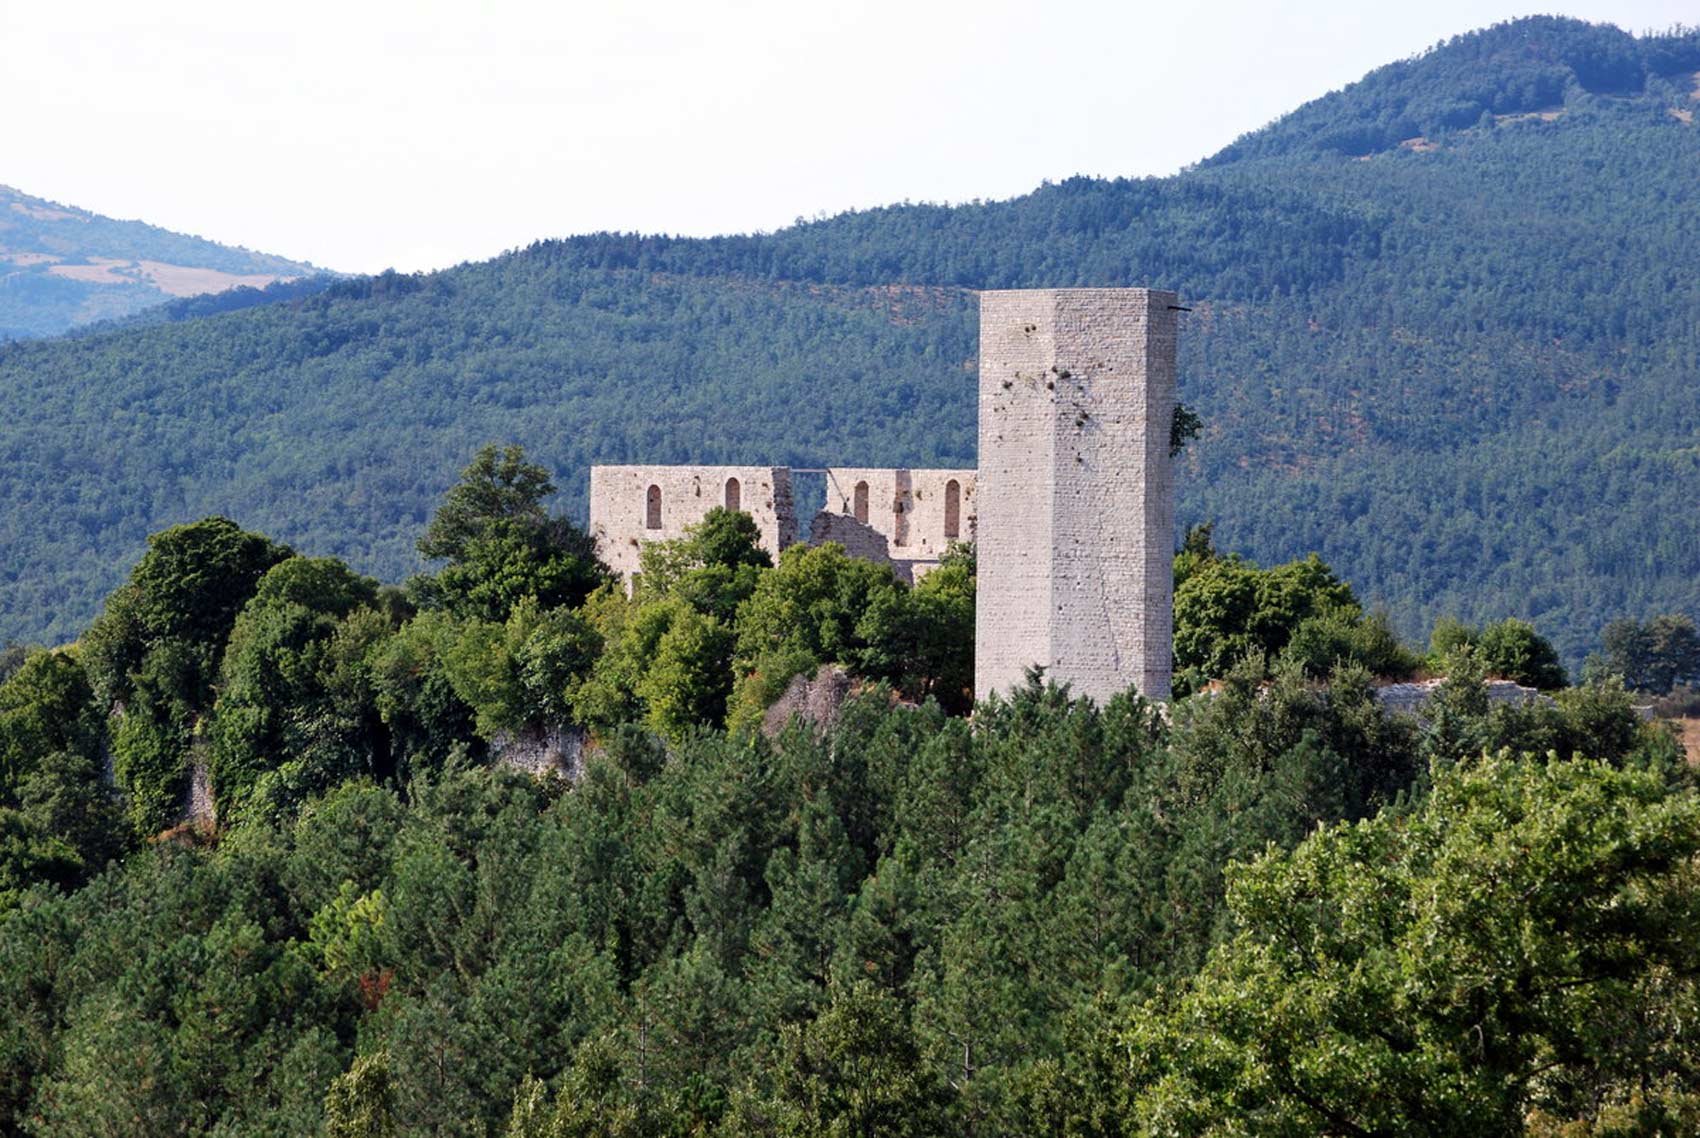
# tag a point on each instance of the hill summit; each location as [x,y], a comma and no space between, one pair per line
[1513,72]
[61,267]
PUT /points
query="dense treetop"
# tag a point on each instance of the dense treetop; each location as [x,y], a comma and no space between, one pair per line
[266,866]
[1272,902]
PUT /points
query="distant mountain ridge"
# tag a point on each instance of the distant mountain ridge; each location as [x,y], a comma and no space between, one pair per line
[1463,364]
[1511,72]
[61,266]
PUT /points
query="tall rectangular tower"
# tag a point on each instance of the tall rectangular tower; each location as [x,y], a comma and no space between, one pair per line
[1076,502]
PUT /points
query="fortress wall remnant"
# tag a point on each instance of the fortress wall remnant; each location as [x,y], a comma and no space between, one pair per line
[858,539]
[912,508]
[1075,498]
[633,505]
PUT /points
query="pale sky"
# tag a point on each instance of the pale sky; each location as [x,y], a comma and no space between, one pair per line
[361,135]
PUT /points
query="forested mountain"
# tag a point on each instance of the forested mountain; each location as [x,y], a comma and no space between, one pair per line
[61,266]
[1446,332]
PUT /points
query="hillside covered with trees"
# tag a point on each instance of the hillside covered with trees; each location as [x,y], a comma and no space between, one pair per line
[62,267]
[1272,908]
[1443,334]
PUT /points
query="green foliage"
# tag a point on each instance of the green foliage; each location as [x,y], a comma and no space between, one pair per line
[664,663]
[12,657]
[150,762]
[188,587]
[153,654]
[46,705]
[689,673]
[811,606]
[1519,941]
[1343,635]
[1518,67]
[1227,610]
[590,1104]
[499,489]
[902,924]
[59,821]
[1184,427]
[714,568]
[1651,656]
[358,1104]
[501,544]
[1510,649]
[296,697]
[855,1070]
[921,640]
[1596,720]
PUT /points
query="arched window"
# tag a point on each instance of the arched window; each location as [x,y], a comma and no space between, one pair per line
[952,510]
[734,495]
[861,502]
[652,512]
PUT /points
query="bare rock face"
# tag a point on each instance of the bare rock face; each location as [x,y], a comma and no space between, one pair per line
[555,750]
[816,701]
[197,807]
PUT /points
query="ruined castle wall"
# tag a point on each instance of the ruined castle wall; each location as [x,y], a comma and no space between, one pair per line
[858,540]
[626,500]
[1075,499]
[908,506]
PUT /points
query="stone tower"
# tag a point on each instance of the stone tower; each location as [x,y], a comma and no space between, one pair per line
[1076,503]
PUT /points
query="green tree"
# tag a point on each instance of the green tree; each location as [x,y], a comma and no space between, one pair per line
[1652,656]
[1226,608]
[46,705]
[1510,649]
[502,545]
[591,1103]
[689,674]
[809,611]
[154,654]
[713,568]
[854,1071]
[1344,636]
[1517,942]
[498,489]
[295,699]
[186,589]
[922,639]
[414,694]
[359,1102]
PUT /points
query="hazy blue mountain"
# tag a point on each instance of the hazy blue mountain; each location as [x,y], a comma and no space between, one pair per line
[1446,332]
[61,266]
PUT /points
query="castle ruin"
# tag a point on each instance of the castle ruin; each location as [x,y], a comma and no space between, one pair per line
[901,517]
[1071,509]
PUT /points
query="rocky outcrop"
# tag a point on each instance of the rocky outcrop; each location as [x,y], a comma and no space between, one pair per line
[555,750]
[816,701]
[197,807]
